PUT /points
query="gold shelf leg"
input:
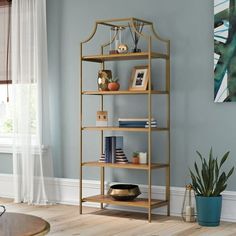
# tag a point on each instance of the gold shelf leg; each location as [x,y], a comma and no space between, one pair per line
[102,185]
[149,132]
[102,169]
[149,214]
[168,189]
[81,136]
[80,206]
[168,124]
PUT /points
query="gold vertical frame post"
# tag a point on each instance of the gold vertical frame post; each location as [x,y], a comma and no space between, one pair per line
[149,130]
[149,105]
[168,126]
[102,169]
[81,118]
[168,116]
[81,130]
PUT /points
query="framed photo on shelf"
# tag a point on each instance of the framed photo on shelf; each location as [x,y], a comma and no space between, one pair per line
[139,78]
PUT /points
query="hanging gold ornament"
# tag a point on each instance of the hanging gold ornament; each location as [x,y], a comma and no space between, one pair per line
[122,48]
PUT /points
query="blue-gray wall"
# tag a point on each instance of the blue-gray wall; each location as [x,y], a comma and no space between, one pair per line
[197,123]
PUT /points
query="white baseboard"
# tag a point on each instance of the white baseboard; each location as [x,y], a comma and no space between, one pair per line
[66,191]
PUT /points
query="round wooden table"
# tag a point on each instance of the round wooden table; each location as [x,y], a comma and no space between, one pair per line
[16,224]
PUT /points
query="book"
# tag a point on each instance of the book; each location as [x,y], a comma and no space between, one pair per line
[113,149]
[136,123]
[135,119]
[153,126]
[132,126]
[132,122]
[137,126]
[152,122]
[107,149]
[113,146]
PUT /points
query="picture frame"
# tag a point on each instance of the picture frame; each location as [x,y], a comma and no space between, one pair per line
[139,78]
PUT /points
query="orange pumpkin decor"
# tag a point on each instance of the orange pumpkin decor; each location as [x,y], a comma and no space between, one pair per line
[113,85]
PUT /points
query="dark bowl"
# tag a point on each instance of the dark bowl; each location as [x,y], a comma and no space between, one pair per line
[124,192]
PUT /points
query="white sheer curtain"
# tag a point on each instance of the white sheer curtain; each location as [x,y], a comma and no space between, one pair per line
[32,164]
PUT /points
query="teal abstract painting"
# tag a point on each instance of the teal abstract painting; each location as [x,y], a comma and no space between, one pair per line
[224,50]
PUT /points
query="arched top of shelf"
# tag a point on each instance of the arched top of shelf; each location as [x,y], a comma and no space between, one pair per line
[130,23]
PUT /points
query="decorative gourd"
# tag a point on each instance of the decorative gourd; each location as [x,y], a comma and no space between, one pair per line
[113,85]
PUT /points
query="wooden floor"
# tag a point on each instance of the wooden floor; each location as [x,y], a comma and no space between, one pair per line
[65,220]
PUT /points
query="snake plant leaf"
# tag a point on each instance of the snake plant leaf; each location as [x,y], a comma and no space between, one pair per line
[196,168]
[193,178]
[210,172]
[223,188]
[222,177]
[211,177]
[200,186]
[199,154]
[220,183]
[230,172]
[224,158]
[204,182]
[209,180]
[205,174]
[210,157]
[220,189]
[194,183]
[198,177]
[205,164]
[216,169]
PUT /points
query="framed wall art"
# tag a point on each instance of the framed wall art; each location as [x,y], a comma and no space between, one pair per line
[224,50]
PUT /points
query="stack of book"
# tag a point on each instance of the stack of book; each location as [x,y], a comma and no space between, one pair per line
[113,150]
[136,122]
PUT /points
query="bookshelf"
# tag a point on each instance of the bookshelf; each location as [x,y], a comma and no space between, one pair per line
[124,92]
[148,203]
[124,57]
[114,128]
[126,166]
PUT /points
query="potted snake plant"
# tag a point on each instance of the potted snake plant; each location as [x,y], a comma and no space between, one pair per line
[209,181]
[113,84]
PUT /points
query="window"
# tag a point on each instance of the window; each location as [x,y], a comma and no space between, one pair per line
[5,120]
[5,74]
[5,111]
[6,116]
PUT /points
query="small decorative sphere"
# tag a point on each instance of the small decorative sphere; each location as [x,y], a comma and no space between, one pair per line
[113,86]
[122,48]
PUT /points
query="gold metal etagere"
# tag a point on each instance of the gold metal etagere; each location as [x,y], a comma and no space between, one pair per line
[149,55]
